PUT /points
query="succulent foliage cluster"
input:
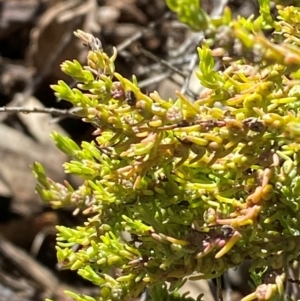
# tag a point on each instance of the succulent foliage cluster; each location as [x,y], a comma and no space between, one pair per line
[199,186]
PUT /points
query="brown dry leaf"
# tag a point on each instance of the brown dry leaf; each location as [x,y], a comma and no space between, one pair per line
[13,77]
[130,8]
[18,151]
[52,39]
[15,13]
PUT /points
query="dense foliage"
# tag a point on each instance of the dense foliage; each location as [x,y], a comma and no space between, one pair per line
[198,186]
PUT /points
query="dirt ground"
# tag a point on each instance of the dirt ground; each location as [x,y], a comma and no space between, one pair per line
[36,36]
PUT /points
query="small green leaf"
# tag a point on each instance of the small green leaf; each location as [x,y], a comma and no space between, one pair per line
[65,144]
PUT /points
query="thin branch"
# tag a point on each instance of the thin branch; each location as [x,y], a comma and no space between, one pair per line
[142,70]
[188,45]
[154,80]
[218,8]
[191,68]
[53,111]
[162,62]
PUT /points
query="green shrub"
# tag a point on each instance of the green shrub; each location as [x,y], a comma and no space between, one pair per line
[198,186]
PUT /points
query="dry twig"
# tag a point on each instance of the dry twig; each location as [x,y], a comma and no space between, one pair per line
[53,111]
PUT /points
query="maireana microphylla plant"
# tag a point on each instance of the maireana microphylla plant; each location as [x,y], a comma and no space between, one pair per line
[199,187]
